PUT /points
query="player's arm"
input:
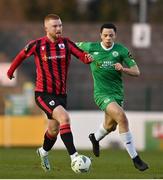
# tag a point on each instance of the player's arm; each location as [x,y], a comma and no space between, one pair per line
[22,55]
[130,67]
[132,71]
[85,46]
[79,53]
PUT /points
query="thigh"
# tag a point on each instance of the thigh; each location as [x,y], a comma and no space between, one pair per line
[48,102]
[61,115]
[116,112]
[113,110]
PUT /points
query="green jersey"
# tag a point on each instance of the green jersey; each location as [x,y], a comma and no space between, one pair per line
[107,80]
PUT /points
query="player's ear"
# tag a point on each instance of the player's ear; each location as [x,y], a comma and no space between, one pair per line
[45,28]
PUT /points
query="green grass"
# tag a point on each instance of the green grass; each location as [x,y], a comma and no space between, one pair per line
[21,163]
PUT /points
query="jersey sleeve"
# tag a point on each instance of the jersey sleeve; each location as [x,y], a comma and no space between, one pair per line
[78,52]
[22,55]
[128,58]
[85,46]
[30,48]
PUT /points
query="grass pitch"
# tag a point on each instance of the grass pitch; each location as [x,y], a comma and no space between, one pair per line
[23,163]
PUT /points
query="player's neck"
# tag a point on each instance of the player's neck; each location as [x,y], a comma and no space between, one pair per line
[107,48]
[52,39]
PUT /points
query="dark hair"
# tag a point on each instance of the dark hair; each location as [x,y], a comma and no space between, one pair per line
[108,26]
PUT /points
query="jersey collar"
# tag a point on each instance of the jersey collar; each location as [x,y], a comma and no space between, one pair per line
[107,49]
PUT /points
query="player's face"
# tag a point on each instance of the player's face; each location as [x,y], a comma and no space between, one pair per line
[53,28]
[108,37]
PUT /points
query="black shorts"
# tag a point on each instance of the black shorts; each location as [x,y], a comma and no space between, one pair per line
[48,102]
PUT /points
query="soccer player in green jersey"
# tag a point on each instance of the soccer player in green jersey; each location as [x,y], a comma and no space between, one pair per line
[110,61]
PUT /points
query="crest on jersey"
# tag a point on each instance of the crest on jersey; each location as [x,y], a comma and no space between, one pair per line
[52,103]
[42,48]
[115,53]
[61,46]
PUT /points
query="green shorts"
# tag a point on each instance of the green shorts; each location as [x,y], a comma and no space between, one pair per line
[103,101]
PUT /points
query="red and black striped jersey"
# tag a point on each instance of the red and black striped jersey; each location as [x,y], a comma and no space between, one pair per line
[52,61]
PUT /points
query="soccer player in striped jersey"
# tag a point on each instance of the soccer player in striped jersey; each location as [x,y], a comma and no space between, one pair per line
[107,68]
[52,55]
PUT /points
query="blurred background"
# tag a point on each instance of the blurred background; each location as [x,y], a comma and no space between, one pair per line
[140,28]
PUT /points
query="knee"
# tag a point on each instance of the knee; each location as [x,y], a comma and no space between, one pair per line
[120,117]
[53,131]
[119,114]
[64,119]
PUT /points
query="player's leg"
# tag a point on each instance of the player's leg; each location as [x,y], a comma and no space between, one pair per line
[105,128]
[63,118]
[44,101]
[117,113]
[50,138]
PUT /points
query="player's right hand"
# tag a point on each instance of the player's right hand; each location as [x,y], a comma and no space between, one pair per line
[9,75]
[118,66]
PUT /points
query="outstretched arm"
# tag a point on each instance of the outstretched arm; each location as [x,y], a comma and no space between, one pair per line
[23,54]
[16,62]
[79,53]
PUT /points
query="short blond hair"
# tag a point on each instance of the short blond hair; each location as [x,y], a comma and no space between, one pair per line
[51,16]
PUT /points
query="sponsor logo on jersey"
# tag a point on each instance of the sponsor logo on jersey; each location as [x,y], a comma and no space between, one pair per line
[115,53]
[104,64]
[61,46]
[45,58]
[52,103]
